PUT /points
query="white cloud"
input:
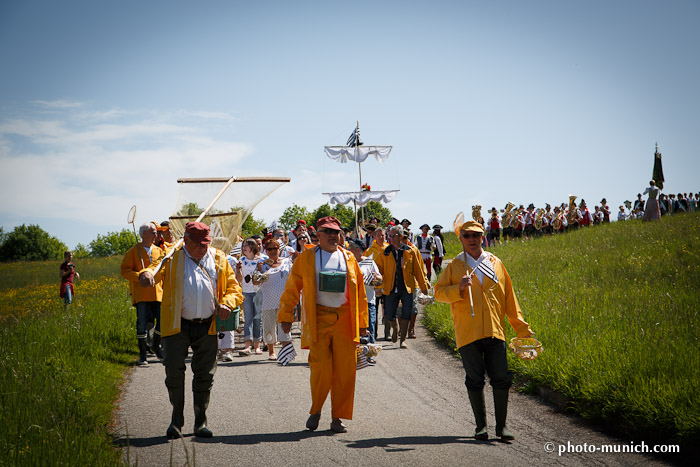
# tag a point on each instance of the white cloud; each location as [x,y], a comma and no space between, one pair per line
[93,170]
[58,104]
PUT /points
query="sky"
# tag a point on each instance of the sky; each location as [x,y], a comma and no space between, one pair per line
[104,105]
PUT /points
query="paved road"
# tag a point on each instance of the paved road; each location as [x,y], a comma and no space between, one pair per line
[411,409]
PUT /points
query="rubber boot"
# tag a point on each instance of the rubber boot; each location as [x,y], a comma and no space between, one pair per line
[412,327]
[177,400]
[394,331]
[156,346]
[404,333]
[201,402]
[476,398]
[142,352]
[500,404]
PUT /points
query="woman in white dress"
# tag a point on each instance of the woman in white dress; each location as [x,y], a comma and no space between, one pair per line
[275,271]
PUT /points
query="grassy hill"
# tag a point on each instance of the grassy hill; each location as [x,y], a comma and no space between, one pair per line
[616,308]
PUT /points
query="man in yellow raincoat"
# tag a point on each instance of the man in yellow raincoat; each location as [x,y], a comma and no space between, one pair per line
[333,317]
[402,269]
[479,323]
[198,285]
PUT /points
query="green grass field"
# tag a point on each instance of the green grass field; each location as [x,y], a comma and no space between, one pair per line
[60,372]
[616,308]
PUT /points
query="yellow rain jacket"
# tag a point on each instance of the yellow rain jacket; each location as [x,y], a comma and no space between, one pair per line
[302,279]
[228,291]
[413,269]
[492,302]
[131,266]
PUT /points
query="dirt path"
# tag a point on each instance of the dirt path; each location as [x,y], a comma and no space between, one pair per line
[411,409]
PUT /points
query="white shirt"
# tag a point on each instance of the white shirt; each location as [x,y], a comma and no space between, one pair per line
[247,270]
[326,261]
[197,288]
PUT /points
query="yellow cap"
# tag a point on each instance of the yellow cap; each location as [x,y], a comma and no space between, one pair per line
[472,226]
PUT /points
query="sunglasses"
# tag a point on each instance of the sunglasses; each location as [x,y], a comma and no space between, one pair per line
[279,235]
[471,235]
[272,248]
[330,231]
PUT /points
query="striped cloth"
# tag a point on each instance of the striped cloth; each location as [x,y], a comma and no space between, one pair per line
[286,355]
[354,137]
[487,269]
[368,263]
[361,359]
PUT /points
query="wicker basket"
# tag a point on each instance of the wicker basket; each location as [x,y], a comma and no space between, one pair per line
[526,348]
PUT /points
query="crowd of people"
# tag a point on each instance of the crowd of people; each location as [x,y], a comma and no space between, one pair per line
[334,281]
[518,223]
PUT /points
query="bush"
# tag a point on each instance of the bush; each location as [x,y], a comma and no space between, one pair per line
[114,243]
[30,244]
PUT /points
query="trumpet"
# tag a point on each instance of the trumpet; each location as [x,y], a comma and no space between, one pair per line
[476,212]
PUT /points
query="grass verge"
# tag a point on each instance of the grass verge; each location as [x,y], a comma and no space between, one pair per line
[60,371]
[615,307]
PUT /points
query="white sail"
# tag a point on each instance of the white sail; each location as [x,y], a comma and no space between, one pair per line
[343,154]
[362,197]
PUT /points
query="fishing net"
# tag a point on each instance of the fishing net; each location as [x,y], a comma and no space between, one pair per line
[228,213]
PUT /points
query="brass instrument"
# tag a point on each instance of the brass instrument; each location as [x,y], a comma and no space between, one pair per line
[538,218]
[476,212]
[572,217]
[556,223]
[507,217]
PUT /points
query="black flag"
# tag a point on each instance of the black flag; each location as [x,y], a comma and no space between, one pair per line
[658,175]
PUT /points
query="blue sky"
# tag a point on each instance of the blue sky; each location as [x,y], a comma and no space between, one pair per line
[105,104]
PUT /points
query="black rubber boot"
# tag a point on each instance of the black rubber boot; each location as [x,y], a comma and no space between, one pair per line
[201,403]
[500,404]
[403,332]
[157,349]
[476,398]
[177,400]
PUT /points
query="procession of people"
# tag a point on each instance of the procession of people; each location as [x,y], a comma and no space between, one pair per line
[339,284]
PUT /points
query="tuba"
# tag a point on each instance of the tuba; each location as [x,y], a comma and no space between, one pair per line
[507,217]
[476,212]
[538,218]
[572,217]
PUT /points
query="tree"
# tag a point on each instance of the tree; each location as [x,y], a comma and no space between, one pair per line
[252,226]
[114,243]
[290,216]
[376,209]
[81,251]
[30,244]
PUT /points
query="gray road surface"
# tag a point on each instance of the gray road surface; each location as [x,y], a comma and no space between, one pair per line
[411,409]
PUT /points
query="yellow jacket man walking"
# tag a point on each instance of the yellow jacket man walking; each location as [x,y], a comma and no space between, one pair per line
[198,285]
[333,317]
[479,323]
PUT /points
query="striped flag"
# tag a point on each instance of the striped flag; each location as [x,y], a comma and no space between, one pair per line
[286,355]
[367,265]
[487,268]
[361,359]
[355,137]
[237,249]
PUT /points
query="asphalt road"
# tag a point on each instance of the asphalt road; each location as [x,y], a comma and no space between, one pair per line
[410,409]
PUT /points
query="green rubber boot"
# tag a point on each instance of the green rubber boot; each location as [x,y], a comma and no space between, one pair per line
[476,398]
[500,404]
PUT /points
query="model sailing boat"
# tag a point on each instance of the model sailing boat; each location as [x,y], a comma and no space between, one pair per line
[355,150]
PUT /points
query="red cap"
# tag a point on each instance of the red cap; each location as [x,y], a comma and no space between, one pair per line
[328,222]
[198,232]
[301,221]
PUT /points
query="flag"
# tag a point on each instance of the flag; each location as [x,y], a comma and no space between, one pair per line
[286,355]
[658,174]
[487,268]
[361,359]
[355,137]
[237,249]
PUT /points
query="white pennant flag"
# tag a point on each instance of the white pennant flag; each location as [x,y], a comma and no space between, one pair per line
[286,355]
